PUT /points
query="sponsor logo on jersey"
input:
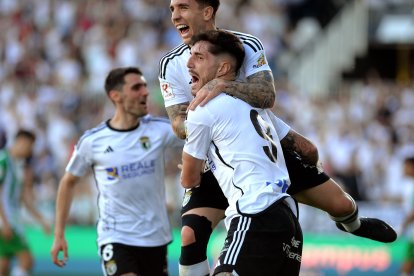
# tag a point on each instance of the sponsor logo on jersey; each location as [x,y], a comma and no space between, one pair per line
[112,173]
[260,61]
[111,267]
[131,170]
[145,142]
[167,91]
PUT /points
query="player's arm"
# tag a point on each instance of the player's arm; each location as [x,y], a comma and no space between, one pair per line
[191,171]
[295,143]
[6,229]
[177,114]
[63,203]
[28,199]
[258,90]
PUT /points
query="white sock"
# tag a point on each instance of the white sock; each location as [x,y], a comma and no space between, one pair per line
[200,269]
[18,271]
[350,222]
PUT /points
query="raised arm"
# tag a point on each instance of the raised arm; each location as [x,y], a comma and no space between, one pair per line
[177,114]
[258,90]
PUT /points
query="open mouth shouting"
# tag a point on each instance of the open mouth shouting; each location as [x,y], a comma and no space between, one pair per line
[194,82]
[184,30]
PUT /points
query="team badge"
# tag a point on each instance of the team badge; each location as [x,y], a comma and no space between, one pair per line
[260,61]
[187,196]
[112,173]
[167,91]
[111,267]
[145,142]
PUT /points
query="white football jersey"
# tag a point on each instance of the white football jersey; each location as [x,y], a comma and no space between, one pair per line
[175,80]
[243,152]
[128,166]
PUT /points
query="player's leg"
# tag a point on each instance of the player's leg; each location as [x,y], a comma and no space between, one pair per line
[17,247]
[407,266]
[119,259]
[25,264]
[311,186]
[268,243]
[197,226]
[4,266]
[203,208]
[306,173]
[153,261]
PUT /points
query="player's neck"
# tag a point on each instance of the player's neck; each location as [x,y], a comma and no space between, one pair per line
[124,122]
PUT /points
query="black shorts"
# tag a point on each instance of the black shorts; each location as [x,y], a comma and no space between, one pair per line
[207,194]
[118,259]
[302,176]
[269,243]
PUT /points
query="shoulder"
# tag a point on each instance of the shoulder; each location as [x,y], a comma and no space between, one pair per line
[213,109]
[170,57]
[249,41]
[92,133]
[159,122]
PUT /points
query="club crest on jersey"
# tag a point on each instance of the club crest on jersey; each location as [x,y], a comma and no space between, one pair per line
[112,173]
[260,61]
[187,196]
[167,91]
[145,142]
[111,267]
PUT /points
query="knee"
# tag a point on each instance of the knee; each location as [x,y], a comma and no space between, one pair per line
[187,235]
[342,206]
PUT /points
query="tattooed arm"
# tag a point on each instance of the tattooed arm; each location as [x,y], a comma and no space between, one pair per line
[294,143]
[258,90]
[177,114]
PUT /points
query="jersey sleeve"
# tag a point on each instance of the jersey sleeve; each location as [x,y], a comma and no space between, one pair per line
[80,160]
[173,83]
[255,59]
[199,135]
[280,126]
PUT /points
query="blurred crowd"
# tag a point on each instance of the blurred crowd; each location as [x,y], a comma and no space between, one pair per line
[55,54]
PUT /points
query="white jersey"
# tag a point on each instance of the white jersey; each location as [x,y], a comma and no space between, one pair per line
[175,80]
[243,151]
[128,166]
[11,186]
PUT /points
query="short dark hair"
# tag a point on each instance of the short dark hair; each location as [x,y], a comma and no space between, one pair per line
[23,133]
[223,42]
[213,3]
[116,77]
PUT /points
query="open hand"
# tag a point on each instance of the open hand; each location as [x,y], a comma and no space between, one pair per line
[209,91]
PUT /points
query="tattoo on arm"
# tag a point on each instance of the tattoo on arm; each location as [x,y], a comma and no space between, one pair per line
[295,144]
[258,90]
[177,114]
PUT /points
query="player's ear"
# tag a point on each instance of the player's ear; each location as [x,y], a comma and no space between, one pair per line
[223,69]
[208,13]
[114,95]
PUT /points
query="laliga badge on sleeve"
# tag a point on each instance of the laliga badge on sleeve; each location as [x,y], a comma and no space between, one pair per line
[167,91]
